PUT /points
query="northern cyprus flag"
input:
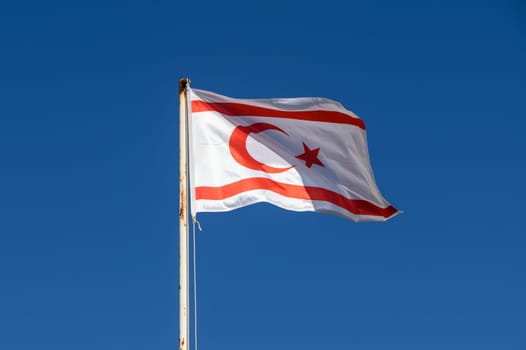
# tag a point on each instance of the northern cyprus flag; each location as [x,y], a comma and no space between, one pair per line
[301,154]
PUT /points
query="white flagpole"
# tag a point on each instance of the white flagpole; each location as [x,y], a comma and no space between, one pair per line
[184,317]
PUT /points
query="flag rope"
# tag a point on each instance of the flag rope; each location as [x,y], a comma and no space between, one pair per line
[194,267]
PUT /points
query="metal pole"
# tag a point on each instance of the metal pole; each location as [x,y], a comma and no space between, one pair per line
[184,317]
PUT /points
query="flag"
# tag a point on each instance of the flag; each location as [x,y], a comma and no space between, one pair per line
[301,154]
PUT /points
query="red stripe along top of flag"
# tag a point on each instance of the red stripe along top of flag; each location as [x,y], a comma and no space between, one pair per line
[302,154]
[239,109]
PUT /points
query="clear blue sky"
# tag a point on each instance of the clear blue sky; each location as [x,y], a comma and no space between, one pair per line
[89,175]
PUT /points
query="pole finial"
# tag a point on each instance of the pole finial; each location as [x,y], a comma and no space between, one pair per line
[183,83]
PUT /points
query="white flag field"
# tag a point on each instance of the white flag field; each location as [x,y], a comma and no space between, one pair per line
[301,154]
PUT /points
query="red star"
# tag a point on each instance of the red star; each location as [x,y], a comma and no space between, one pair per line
[310,156]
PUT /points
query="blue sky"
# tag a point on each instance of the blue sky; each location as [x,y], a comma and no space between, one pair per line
[89,175]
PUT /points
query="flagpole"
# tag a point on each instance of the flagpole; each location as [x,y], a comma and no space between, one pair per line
[184,317]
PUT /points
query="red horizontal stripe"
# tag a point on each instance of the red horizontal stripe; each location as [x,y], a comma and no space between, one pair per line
[354,206]
[239,109]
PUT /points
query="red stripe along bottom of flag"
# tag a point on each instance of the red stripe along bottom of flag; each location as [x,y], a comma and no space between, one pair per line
[239,109]
[354,206]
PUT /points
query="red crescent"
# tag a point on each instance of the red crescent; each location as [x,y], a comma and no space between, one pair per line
[238,147]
